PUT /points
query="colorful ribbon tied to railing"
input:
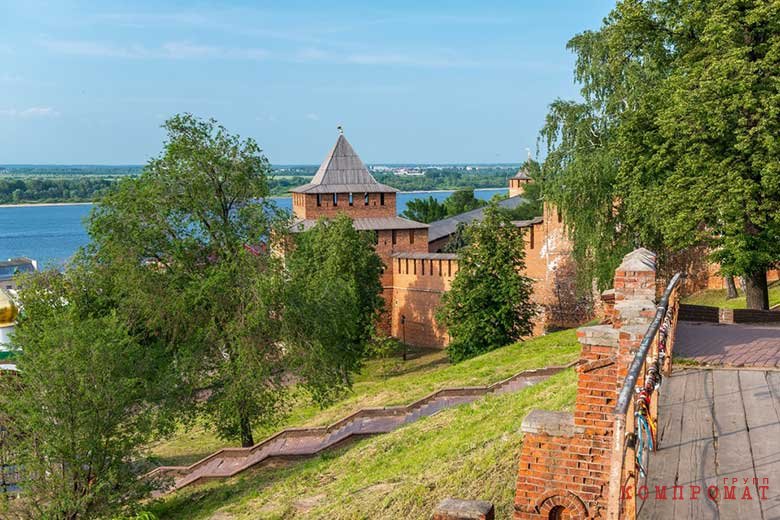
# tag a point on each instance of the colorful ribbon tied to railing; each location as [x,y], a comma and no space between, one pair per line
[645,424]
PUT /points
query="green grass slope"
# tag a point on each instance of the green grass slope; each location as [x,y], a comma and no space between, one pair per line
[717,298]
[405,383]
[470,451]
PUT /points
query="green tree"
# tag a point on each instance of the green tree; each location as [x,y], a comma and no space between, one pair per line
[192,246]
[83,406]
[424,210]
[489,304]
[334,301]
[458,240]
[461,201]
[183,240]
[674,144]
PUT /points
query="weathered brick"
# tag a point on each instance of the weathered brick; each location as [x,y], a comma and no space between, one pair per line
[575,475]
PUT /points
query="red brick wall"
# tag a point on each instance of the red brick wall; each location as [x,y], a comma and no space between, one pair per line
[565,459]
[437,245]
[549,265]
[305,205]
[406,240]
[417,291]
[517,186]
[564,471]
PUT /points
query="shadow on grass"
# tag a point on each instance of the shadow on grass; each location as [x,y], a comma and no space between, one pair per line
[203,501]
[184,459]
[410,369]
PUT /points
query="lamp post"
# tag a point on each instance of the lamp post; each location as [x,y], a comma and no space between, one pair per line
[403,334]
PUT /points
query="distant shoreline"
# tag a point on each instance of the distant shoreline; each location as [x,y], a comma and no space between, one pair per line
[456,189]
[38,204]
[44,204]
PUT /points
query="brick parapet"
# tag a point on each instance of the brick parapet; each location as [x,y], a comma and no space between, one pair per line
[305,205]
[565,460]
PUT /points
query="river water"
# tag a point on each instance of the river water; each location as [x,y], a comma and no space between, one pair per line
[51,234]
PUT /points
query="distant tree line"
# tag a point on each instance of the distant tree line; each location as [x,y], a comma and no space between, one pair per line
[428,209]
[41,189]
[69,170]
[88,183]
[282,181]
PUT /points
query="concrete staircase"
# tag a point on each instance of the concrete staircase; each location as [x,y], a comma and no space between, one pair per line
[304,442]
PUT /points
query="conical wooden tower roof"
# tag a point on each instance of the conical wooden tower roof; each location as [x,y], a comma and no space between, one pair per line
[342,171]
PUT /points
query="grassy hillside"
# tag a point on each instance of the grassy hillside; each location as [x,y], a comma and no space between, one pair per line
[402,383]
[717,298]
[470,452]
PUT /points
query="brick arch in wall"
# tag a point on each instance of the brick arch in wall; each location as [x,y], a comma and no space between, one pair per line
[559,504]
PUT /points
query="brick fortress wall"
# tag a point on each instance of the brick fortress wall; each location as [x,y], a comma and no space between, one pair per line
[565,459]
[419,282]
[305,205]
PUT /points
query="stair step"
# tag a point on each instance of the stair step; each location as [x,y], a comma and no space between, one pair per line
[295,443]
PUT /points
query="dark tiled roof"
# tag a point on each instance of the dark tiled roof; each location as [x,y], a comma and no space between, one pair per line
[447,226]
[342,171]
[528,223]
[367,224]
[12,266]
[426,256]
[523,174]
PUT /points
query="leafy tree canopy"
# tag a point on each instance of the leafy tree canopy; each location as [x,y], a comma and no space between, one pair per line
[430,209]
[674,143]
[425,210]
[334,275]
[190,242]
[84,405]
[489,304]
[462,201]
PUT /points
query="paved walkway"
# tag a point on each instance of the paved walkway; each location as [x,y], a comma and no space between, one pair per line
[729,345]
[717,428]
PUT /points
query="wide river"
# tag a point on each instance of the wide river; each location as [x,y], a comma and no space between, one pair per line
[51,234]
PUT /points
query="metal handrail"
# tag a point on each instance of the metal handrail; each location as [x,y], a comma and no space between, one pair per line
[624,398]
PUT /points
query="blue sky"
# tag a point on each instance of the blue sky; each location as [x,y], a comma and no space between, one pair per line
[416,81]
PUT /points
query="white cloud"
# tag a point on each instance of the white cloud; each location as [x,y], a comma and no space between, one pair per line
[319,55]
[11,78]
[181,50]
[187,50]
[98,49]
[312,54]
[30,113]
